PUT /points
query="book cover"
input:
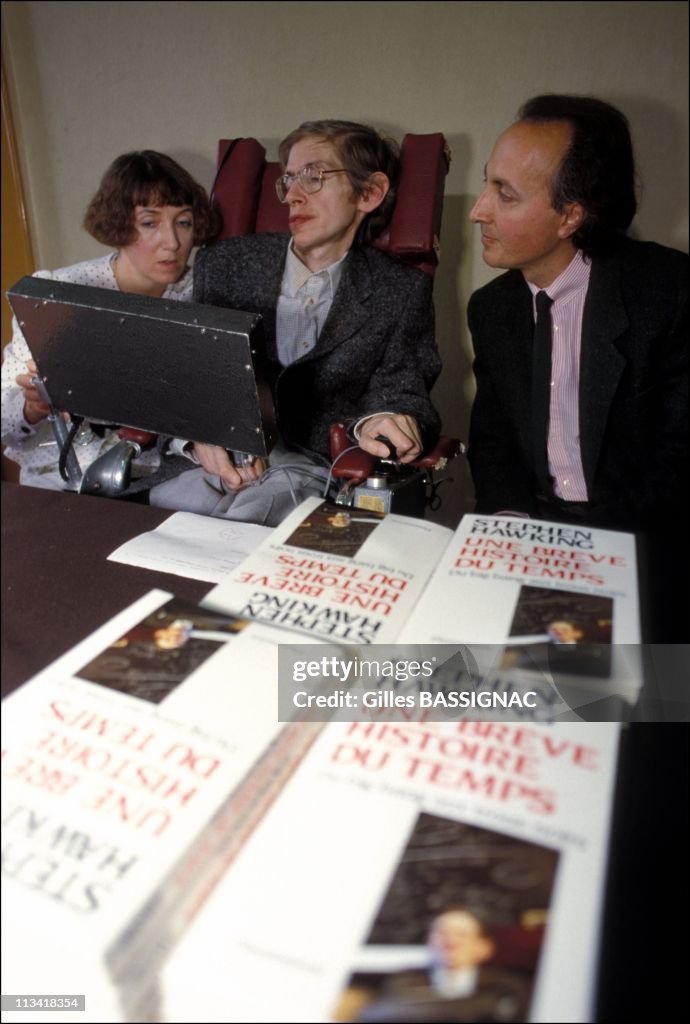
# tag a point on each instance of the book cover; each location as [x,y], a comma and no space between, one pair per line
[414,871]
[529,605]
[540,603]
[501,576]
[338,575]
[121,772]
[538,607]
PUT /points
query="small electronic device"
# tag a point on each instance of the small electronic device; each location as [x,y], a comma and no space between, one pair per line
[392,488]
[389,486]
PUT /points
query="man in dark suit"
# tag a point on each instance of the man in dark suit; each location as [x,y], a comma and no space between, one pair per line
[596,432]
[349,331]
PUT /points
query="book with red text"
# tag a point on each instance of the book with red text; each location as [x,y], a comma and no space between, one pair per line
[341,575]
[389,832]
[499,586]
[122,803]
[537,601]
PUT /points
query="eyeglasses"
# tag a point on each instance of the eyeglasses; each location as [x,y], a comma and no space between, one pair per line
[310,180]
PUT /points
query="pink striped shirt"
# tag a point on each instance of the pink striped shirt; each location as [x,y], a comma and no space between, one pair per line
[568,292]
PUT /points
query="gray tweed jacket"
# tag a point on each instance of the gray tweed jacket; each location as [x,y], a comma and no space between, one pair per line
[376,352]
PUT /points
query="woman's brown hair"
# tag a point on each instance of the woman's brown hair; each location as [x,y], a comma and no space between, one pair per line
[145,178]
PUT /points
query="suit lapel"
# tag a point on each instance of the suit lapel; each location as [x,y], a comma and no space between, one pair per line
[520,337]
[266,284]
[601,361]
[511,325]
[351,306]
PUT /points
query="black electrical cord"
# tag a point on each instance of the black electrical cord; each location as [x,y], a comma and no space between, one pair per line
[67,447]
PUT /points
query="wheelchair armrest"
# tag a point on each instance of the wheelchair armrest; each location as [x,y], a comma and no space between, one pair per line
[141,437]
[358,464]
[445,449]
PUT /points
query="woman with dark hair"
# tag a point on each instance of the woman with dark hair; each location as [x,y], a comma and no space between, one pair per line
[152,213]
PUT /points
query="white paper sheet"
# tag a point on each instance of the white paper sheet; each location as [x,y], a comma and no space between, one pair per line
[198,547]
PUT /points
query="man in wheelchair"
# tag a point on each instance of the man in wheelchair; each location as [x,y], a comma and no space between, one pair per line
[349,331]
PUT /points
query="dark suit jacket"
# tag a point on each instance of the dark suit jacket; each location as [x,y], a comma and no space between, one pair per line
[376,352]
[633,390]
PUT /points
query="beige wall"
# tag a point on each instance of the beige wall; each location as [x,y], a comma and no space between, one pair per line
[92,80]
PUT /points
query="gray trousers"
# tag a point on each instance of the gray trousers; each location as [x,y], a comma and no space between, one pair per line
[290,479]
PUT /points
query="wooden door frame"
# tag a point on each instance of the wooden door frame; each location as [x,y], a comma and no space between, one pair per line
[17,250]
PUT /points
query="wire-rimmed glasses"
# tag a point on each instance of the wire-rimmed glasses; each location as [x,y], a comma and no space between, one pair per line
[310,180]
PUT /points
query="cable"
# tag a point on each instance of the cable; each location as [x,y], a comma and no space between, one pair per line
[67,447]
[304,473]
[329,479]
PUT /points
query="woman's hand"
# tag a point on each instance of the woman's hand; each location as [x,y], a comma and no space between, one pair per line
[35,409]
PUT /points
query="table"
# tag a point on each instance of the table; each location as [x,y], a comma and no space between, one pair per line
[57,584]
[58,587]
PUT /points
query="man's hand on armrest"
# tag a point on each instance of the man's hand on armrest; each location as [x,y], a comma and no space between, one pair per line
[402,431]
[216,460]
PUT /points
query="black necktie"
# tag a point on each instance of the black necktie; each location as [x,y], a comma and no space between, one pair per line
[541,387]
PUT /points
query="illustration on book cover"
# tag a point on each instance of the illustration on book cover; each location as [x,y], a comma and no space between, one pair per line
[459,932]
[152,658]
